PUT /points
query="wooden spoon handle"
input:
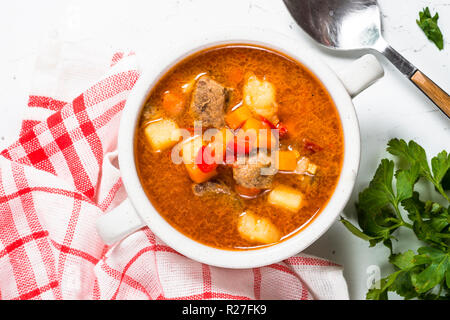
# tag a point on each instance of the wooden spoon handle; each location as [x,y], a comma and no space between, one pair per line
[432,90]
[428,87]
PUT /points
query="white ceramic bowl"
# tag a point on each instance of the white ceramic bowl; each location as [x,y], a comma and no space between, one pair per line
[138,211]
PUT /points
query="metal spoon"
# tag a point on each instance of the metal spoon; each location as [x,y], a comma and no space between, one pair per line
[356,25]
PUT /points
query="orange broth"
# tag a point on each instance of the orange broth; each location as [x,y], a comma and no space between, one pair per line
[304,106]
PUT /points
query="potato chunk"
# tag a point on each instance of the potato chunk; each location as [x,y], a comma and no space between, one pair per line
[302,165]
[257,229]
[259,96]
[305,166]
[162,134]
[286,198]
[312,168]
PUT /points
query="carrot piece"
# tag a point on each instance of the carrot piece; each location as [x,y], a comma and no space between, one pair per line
[190,147]
[173,104]
[235,75]
[237,117]
[252,124]
[190,151]
[264,136]
[247,136]
[287,160]
[197,175]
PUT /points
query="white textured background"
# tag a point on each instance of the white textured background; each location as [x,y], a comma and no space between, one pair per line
[392,107]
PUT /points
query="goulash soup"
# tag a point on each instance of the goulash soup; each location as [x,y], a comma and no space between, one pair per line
[239,147]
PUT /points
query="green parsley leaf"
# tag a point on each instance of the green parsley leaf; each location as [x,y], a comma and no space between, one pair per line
[430,27]
[415,155]
[433,274]
[350,227]
[414,207]
[403,260]
[378,213]
[426,229]
[405,182]
[380,192]
[446,181]
[384,284]
[407,264]
[403,286]
[381,209]
[440,165]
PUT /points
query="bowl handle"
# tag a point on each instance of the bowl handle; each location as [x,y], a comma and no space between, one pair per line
[361,74]
[119,223]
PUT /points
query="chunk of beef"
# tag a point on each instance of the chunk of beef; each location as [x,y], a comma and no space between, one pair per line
[208,102]
[210,187]
[249,174]
[222,193]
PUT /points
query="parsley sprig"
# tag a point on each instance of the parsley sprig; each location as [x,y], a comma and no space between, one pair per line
[384,207]
[429,25]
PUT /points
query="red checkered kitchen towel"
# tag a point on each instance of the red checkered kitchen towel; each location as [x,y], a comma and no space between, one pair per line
[61,175]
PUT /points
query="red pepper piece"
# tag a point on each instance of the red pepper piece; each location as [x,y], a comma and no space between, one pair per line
[205,160]
[268,123]
[311,146]
[283,130]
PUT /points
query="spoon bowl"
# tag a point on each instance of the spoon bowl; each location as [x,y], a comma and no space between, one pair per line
[339,24]
[356,25]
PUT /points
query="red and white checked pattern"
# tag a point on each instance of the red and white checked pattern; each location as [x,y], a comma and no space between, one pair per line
[61,175]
